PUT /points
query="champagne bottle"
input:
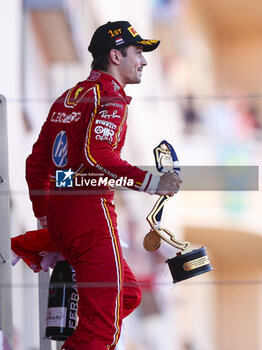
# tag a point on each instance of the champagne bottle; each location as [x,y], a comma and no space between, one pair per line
[61,317]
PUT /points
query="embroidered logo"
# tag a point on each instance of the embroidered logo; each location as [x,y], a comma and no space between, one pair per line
[116,86]
[104,114]
[94,76]
[132,31]
[60,148]
[104,134]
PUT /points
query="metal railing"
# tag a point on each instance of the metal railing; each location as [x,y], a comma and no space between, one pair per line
[5,248]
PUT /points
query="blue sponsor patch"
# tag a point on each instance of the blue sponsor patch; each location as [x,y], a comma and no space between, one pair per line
[60,148]
[64,178]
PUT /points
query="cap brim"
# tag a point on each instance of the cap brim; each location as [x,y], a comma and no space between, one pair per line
[148,45]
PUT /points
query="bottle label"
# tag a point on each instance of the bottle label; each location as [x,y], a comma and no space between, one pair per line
[56,317]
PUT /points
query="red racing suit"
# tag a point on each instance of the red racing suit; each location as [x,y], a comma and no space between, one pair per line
[81,141]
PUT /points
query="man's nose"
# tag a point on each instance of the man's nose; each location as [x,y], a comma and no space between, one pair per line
[144,61]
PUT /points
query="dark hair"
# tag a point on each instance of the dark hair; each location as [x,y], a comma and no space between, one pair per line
[101,62]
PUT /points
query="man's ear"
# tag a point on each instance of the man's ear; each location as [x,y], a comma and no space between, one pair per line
[115,56]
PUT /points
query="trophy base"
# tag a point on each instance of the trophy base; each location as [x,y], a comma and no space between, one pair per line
[184,266]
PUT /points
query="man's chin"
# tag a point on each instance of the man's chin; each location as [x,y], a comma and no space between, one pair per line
[135,81]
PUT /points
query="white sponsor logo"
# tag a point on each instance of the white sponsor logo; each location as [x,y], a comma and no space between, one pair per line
[116,86]
[114,104]
[73,304]
[104,133]
[106,171]
[106,123]
[61,117]
[104,114]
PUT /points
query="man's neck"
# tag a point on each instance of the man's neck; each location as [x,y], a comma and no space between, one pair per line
[115,74]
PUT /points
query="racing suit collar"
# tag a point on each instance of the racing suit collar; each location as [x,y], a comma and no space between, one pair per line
[98,75]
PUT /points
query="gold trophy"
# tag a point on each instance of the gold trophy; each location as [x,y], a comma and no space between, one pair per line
[187,263]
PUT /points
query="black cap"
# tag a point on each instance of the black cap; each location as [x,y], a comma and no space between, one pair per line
[114,35]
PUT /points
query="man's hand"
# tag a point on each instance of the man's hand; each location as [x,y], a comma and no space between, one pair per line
[43,221]
[169,184]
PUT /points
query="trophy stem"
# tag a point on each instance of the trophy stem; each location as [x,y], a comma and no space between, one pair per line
[154,218]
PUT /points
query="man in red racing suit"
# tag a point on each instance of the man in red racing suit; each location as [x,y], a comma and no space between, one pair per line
[71,170]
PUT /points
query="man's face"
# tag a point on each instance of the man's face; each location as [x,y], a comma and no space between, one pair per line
[131,66]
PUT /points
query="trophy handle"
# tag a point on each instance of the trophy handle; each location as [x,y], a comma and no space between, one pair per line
[154,218]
